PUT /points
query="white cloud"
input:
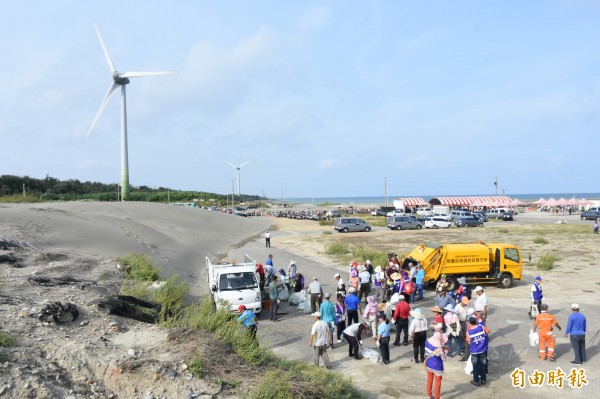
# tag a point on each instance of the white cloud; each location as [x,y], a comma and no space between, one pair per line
[328,163]
[417,159]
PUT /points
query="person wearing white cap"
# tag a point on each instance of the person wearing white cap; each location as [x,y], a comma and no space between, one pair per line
[576,326]
[341,287]
[320,338]
[481,304]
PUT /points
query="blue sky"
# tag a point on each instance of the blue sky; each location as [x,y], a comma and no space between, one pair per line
[325,98]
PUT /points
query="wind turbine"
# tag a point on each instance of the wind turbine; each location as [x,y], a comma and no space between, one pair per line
[120,80]
[238,173]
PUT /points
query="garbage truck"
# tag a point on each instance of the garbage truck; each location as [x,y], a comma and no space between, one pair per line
[234,284]
[480,263]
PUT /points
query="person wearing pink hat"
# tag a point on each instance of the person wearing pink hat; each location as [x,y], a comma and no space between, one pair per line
[435,352]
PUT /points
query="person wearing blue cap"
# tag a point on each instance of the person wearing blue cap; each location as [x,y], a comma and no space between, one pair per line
[536,295]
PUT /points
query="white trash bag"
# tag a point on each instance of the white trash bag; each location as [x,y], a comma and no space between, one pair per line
[302,305]
[307,308]
[284,294]
[469,366]
[534,338]
[370,354]
[296,298]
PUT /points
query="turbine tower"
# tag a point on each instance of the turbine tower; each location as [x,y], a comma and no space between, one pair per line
[238,167]
[120,80]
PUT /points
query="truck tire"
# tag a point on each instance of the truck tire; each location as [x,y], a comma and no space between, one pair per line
[345,230]
[451,283]
[505,280]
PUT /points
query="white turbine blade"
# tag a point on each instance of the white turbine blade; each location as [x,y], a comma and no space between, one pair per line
[139,74]
[109,93]
[111,66]
[245,163]
[232,165]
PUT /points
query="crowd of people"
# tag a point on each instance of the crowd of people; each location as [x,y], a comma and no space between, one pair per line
[369,300]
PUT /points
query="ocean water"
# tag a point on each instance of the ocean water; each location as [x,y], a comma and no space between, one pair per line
[380,200]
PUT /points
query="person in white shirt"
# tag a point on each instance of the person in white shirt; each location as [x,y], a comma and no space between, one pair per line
[316,294]
[268,239]
[320,338]
[481,304]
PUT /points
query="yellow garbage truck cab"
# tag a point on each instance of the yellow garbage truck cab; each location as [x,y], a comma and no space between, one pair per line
[481,263]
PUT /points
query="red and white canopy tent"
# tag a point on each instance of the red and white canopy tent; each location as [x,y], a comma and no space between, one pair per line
[541,201]
[492,201]
[410,202]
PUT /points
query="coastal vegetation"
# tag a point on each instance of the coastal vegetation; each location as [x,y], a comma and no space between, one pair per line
[546,262]
[28,189]
[540,240]
[278,379]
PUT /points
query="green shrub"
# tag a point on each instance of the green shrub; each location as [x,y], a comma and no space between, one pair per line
[138,267]
[363,253]
[196,366]
[6,340]
[546,262]
[327,232]
[272,385]
[326,222]
[503,230]
[336,248]
[540,240]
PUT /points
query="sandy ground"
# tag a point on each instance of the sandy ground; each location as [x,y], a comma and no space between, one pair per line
[82,239]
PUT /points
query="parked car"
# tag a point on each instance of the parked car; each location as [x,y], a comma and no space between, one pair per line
[378,212]
[591,214]
[507,216]
[424,212]
[468,221]
[496,213]
[333,214]
[435,222]
[403,222]
[457,214]
[444,216]
[351,224]
[395,212]
[481,216]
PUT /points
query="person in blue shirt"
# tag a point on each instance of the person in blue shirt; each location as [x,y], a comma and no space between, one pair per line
[576,327]
[383,338]
[327,311]
[352,306]
[419,280]
[248,320]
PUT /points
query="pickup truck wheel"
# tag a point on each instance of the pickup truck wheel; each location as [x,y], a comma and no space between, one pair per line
[451,283]
[367,229]
[505,280]
[345,230]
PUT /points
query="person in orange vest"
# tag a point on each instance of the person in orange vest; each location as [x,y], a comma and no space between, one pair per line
[545,321]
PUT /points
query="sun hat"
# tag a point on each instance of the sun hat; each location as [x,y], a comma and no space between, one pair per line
[478,288]
[449,307]
[400,298]
[378,269]
[316,279]
[396,276]
[354,263]
[417,313]
[538,278]
[368,262]
[575,306]
[316,314]
[336,275]
[292,262]
[327,295]
[436,309]
[241,308]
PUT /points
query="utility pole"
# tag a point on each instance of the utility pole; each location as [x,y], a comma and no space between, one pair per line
[496,184]
[23,189]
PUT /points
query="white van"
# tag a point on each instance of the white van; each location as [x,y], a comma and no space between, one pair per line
[460,214]
[495,213]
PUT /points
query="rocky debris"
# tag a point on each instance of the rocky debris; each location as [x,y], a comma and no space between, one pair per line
[10,258]
[131,307]
[58,313]
[53,281]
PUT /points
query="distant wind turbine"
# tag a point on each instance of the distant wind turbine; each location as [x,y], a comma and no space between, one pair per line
[238,173]
[120,79]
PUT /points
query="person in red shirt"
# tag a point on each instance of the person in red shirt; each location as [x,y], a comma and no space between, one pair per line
[261,274]
[400,319]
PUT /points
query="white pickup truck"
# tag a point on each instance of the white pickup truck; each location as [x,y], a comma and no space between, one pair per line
[235,284]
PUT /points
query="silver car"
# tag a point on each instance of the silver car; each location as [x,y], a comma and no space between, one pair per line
[403,222]
[351,224]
